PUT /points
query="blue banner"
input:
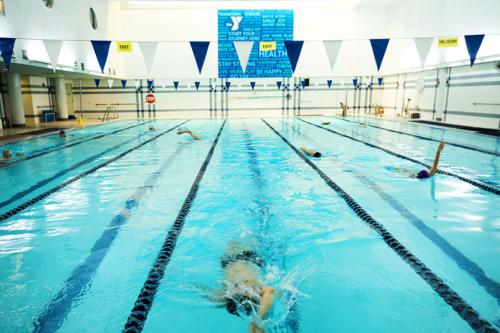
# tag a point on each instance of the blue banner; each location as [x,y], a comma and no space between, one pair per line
[7,50]
[473,44]
[200,50]
[101,49]
[268,29]
[176,84]
[97,82]
[379,46]
[279,83]
[150,84]
[355,83]
[197,85]
[252,84]
[329,83]
[380,81]
[293,48]
[124,83]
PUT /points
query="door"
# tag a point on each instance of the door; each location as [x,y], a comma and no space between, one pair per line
[69,99]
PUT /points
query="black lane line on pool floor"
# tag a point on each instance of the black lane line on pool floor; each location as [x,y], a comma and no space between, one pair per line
[61,173]
[482,186]
[144,302]
[461,307]
[473,269]
[51,150]
[31,202]
[476,149]
[60,306]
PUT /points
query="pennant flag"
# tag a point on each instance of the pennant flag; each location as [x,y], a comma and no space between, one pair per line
[228,84]
[303,84]
[137,84]
[197,85]
[53,48]
[150,84]
[293,49]
[355,82]
[243,50]
[124,83]
[423,47]
[279,83]
[379,46]
[148,50]
[200,50]
[380,80]
[7,50]
[97,82]
[252,84]
[473,44]
[110,83]
[101,49]
[176,84]
[332,48]
[329,83]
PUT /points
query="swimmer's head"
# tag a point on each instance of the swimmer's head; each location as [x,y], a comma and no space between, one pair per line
[240,304]
[151,128]
[6,153]
[317,154]
[62,134]
[423,174]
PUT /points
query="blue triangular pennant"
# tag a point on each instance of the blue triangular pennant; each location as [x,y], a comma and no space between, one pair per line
[197,85]
[200,53]
[101,49]
[293,49]
[380,80]
[329,83]
[355,82]
[150,84]
[176,84]
[7,50]
[252,84]
[473,44]
[97,82]
[279,83]
[303,84]
[228,84]
[124,83]
[379,46]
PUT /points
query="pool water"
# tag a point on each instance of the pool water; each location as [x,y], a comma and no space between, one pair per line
[82,226]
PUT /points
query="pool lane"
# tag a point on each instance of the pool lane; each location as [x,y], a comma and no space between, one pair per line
[338,268]
[367,140]
[446,233]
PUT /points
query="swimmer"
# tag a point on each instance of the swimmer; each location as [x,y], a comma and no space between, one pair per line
[62,134]
[423,174]
[193,135]
[7,155]
[243,293]
[310,152]
[152,129]
[325,123]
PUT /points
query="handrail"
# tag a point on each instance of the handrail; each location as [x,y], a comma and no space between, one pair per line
[477,103]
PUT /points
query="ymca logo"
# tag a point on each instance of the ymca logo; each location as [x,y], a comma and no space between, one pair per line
[235,24]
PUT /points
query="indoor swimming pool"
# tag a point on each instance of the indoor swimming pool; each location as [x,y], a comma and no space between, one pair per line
[120,228]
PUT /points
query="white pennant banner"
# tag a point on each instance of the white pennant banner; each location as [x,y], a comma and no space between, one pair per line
[423,47]
[243,49]
[332,48]
[53,48]
[137,83]
[110,83]
[148,50]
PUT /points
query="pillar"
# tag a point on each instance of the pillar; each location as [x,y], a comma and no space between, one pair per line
[61,100]
[15,100]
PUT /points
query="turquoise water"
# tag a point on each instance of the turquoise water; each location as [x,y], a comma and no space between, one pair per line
[333,272]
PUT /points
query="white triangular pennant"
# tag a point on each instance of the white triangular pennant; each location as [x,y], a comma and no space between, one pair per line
[137,83]
[148,50]
[110,83]
[53,48]
[423,47]
[332,48]
[243,49]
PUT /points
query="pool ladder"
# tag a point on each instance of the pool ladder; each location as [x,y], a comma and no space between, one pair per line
[109,114]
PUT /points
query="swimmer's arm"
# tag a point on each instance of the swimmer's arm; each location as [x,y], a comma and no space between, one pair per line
[307,151]
[436,160]
[194,136]
[266,302]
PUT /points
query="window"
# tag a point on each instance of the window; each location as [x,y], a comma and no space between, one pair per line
[93,18]
[2,9]
[48,3]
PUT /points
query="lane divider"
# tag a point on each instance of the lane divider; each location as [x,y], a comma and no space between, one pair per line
[51,150]
[482,186]
[473,269]
[27,204]
[461,307]
[56,311]
[144,302]
[477,149]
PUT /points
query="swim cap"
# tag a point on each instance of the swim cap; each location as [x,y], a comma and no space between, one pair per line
[317,154]
[423,174]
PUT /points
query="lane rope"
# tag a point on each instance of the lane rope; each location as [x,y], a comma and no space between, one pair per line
[482,186]
[144,302]
[33,201]
[461,307]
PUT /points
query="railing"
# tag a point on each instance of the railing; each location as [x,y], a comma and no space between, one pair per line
[110,113]
[476,103]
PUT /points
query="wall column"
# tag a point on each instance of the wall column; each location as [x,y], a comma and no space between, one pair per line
[16,100]
[61,100]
